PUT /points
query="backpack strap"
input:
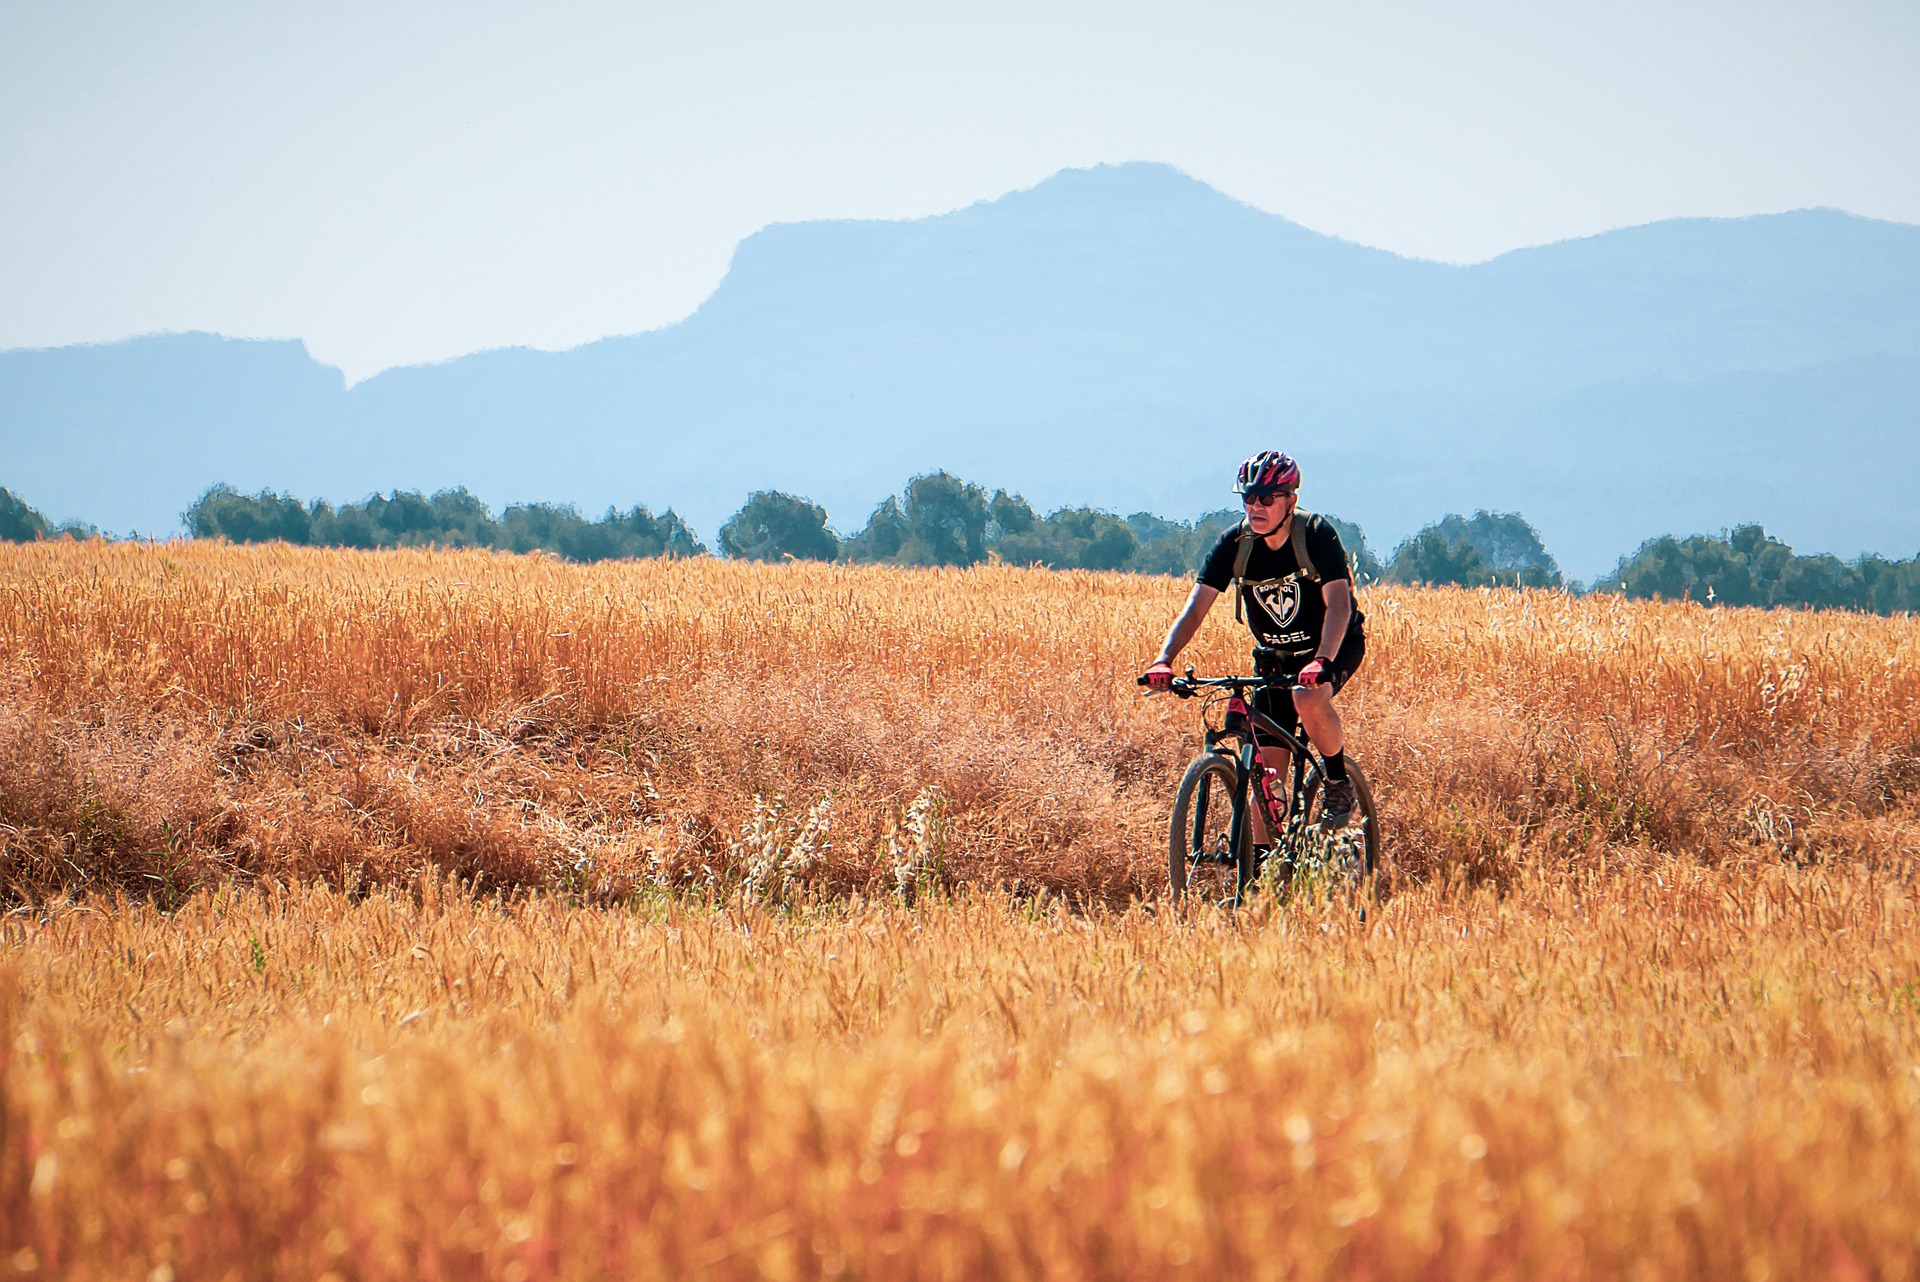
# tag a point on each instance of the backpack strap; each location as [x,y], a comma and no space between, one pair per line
[1299,541]
[1297,538]
[1240,555]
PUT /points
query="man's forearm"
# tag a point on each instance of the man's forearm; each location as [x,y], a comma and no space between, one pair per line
[1182,632]
[1188,623]
[1334,630]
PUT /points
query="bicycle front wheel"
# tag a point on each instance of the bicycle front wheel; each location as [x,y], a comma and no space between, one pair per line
[1202,864]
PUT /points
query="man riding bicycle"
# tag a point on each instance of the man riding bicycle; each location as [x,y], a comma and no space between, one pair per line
[1297,595]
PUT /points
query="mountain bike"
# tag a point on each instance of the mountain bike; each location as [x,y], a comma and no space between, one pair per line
[1211,857]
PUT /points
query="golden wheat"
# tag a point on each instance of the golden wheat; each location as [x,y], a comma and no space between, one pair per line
[1711,1077]
[178,713]
[455,915]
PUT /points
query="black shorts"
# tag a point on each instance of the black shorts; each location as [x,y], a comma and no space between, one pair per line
[1276,700]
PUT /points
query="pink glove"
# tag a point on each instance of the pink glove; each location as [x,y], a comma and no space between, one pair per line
[1313,674]
[1159,676]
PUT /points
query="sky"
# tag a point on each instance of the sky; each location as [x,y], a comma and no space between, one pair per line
[402,182]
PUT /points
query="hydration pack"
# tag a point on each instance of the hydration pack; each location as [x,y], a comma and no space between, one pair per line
[1297,539]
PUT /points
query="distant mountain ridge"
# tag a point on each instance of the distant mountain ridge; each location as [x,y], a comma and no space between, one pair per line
[1117,336]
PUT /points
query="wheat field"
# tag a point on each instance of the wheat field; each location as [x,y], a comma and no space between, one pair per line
[436,915]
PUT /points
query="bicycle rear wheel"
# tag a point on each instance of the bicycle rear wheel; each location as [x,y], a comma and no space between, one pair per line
[1202,865]
[1346,858]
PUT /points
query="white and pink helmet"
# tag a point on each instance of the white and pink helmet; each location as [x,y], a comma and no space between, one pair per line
[1268,470]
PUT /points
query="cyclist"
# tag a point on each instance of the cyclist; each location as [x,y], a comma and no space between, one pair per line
[1297,594]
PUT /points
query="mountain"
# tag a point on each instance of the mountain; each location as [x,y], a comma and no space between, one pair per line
[1119,336]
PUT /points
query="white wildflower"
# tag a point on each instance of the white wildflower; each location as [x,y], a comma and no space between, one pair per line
[919,853]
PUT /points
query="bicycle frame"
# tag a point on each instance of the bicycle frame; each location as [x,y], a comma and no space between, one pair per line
[1247,724]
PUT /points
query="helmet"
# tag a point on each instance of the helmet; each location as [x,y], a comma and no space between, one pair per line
[1268,470]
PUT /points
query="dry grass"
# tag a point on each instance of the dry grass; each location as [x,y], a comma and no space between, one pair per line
[175,715]
[1645,1001]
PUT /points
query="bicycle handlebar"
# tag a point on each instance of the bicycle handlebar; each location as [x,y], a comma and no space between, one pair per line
[1188,686]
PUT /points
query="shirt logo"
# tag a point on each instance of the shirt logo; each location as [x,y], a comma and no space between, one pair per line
[1280,598]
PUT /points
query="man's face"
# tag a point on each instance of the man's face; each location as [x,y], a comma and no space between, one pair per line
[1265,511]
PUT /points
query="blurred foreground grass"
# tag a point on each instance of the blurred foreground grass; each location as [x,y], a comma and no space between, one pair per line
[1691,1075]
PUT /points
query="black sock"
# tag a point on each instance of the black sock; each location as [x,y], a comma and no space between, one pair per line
[1336,763]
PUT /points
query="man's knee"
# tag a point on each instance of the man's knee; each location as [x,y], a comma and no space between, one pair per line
[1313,699]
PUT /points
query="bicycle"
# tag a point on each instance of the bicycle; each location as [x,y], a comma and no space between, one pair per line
[1211,856]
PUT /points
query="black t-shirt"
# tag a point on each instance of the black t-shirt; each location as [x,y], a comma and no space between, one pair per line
[1282,606]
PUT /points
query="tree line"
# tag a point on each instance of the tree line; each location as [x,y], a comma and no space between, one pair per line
[450,518]
[1748,566]
[939,519]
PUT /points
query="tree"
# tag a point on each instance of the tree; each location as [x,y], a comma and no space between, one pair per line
[1823,582]
[349,527]
[528,527]
[406,519]
[18,522]
[1008,514]
[648,535]
[577,539]
[225,513]
[1175,547]
[1486,548]
[942,521]
[1660,569]
[1509,545]
[559,527]
[773,526]
[946,521]
[1891,586]
[885,535]
[1717,574]
[1162,546]
[461,520]
[1073,538]
[1432,558]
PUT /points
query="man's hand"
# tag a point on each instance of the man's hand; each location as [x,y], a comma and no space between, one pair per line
[1160,676]
[1312,675]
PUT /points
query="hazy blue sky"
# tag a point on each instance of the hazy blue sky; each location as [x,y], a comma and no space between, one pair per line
[397,182]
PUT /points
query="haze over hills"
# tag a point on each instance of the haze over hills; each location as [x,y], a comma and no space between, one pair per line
[1118,336]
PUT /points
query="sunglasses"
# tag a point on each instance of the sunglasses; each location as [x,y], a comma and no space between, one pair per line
[1268,499]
